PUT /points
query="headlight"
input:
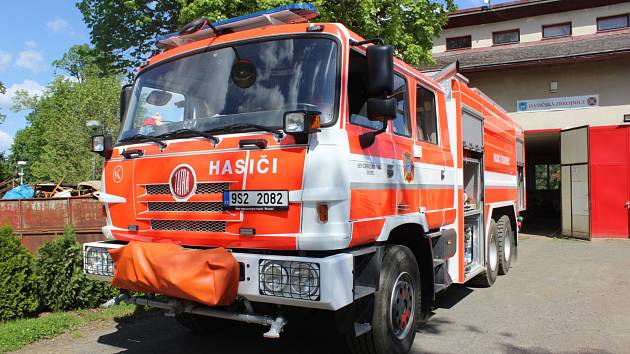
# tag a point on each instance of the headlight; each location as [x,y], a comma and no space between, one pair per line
[97,261]
[297,280]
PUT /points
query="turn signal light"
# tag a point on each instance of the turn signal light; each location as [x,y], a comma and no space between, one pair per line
[322,212]
[315,122]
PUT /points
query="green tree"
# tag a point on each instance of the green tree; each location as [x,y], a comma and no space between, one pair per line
[18,284]
[81,61]
[56,141]
[125,30]
[3,90]
[61,282]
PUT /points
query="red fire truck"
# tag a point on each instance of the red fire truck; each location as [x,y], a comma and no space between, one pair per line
[268,165]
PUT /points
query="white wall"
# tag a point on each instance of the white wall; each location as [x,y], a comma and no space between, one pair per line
[609,79]
[583,22]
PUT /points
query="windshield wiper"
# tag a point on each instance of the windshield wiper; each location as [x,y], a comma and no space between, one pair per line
[144,137]
[190,132]
[238,127]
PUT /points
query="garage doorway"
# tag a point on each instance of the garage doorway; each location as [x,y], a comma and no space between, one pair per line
[543,183]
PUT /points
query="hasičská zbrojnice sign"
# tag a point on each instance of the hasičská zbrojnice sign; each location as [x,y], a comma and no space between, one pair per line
[544,104]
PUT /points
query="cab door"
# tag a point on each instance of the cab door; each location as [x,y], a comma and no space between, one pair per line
[436,195]
[402,138]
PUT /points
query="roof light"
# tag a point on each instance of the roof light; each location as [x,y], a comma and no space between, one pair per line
[282,15]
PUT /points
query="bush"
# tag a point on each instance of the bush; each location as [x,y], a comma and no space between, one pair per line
[62,284]
[18,287]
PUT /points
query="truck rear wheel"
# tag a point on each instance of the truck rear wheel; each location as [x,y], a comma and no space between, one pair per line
[506,244]
[489,275]
[203,324]
[395,306]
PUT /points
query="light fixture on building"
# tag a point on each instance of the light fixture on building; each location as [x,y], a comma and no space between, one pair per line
[553,86]
[626,118]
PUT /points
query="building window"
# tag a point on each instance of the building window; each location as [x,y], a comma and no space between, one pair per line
[612,22]
[458,43]
[505,37]
[426,116]
[547,177]
[559,30]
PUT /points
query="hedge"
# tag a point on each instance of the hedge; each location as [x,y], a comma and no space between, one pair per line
[18,285]
[61,282]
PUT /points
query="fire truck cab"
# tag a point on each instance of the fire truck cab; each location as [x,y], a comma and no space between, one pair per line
[322,171]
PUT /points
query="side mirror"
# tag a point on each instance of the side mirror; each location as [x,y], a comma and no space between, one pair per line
[381,110]
[380,70]
[125,98]
[103,145]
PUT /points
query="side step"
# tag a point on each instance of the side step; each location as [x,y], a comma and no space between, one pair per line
[361,328]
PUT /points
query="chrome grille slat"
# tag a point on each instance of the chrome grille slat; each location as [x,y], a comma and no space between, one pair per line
[202,188]
[190,207]
[188,225]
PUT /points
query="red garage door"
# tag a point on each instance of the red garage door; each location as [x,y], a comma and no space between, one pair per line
[610,181]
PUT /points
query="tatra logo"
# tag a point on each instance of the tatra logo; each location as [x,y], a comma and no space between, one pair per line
[239,167]
[117,174]
[183,182]
[408,167]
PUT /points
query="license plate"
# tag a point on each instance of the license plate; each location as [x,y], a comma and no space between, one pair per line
[256,200]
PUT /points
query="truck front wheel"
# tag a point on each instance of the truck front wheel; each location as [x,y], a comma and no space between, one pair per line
[395,306]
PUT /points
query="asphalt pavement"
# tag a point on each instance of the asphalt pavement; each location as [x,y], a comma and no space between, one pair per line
[561,296]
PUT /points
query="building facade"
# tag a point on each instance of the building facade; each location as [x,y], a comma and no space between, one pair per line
[561,68]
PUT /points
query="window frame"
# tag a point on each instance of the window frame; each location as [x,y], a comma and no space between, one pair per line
[406,108]
[627,16]
[459,37]
[548,177]
[518,36]
[437,115]
[558,25]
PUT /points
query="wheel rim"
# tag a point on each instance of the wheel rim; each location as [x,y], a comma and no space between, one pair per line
[492,253]
[402,306]
[507,246]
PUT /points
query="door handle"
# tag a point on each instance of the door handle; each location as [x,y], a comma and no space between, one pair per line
[628,205]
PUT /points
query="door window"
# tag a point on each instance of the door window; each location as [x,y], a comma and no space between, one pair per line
[426,116]
[401,123]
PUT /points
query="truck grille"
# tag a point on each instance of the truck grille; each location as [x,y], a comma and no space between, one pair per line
[190,207]
[188,225]
[202,188]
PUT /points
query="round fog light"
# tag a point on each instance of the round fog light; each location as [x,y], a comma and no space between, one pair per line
[304,280]
[275,277]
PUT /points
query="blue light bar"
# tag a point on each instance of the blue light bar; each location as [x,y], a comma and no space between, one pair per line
[281,15]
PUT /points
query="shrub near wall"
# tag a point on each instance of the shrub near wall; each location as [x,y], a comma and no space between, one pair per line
[18,287]
[62,284]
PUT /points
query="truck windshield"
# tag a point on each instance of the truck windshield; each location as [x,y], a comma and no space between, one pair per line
[244,85]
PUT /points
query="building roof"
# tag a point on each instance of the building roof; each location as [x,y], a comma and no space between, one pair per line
[561,50]
[518,9]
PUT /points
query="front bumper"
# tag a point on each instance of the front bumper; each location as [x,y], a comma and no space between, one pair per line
[335,272]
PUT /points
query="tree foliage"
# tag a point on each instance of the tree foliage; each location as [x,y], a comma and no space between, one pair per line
[3,90]
[126,29]
[56,141]
[81,61]
[61,282]
[18,295]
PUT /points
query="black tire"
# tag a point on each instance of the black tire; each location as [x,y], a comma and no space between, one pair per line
[489,275]
[203,324]
[506,244]
[391,330]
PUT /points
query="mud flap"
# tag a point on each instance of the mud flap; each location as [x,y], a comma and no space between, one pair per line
[209,277]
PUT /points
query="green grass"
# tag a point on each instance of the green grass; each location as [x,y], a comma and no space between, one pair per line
[18,333]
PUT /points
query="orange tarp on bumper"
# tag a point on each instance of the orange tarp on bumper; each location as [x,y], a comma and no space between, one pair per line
[206,276]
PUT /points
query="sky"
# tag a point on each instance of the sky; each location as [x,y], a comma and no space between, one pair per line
[36,32]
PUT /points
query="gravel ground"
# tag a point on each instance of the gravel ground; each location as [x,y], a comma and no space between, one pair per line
[562,296]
